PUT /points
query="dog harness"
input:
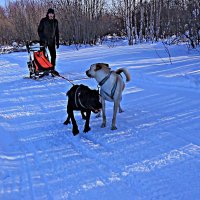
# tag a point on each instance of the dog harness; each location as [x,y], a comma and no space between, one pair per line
[114,86]
[77,99]
[105,79]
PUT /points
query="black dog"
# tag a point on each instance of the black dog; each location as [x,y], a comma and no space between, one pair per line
[81,97]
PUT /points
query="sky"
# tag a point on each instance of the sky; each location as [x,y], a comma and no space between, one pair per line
[2,2]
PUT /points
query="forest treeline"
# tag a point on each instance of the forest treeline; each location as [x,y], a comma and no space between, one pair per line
[88,21]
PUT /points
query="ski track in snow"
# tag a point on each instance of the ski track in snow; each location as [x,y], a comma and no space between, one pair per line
[154,153]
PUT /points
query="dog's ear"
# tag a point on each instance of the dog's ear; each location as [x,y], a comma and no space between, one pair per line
[107,65]
[98,66]
[101,65]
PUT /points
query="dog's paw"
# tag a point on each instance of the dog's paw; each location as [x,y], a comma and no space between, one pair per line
[103,125]
[113,128]
[86,129]
[66,122]
[75,131]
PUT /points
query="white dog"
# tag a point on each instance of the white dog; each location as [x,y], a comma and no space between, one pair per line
[112,85]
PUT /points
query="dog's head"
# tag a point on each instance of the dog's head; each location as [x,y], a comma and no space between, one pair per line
[94,68]
[95,101]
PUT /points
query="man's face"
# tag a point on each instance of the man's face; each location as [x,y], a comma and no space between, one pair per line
[50,15]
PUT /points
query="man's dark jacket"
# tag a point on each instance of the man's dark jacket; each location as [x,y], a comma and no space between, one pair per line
[48,31]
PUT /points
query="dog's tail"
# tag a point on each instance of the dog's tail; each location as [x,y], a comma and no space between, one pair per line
[126,72]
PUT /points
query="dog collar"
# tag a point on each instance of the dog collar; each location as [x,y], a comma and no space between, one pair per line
[104,79]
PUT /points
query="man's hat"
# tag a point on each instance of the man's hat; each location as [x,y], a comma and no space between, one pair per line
[50,10]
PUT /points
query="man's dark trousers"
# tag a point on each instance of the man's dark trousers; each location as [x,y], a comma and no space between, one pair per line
[52,51]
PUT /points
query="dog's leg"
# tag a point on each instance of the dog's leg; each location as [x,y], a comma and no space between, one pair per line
[75,130]
[87,123]
[103,113]
[83,115]
[116,106]
[67,121]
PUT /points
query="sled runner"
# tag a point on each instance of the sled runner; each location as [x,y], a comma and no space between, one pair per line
[38,64]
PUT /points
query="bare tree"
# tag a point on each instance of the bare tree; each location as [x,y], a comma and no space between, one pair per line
[85,21]
[141,20]
[129,20]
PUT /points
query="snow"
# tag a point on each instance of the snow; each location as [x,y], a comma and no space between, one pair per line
[154,153]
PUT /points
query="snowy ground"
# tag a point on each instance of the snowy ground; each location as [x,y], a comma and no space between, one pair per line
[154,153]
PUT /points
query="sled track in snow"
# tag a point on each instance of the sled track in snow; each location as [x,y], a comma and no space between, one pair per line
[149,156]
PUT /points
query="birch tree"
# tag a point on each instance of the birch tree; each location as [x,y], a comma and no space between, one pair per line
[129,20]
[141,20]
[84,21]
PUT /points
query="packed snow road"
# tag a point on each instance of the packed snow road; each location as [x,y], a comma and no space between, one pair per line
[154,153]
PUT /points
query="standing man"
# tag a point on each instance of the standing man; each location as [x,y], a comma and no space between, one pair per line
[48,32]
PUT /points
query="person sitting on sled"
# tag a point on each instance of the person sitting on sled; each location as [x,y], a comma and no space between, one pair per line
[48,32]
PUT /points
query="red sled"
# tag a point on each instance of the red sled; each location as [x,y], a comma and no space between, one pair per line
[38,64]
